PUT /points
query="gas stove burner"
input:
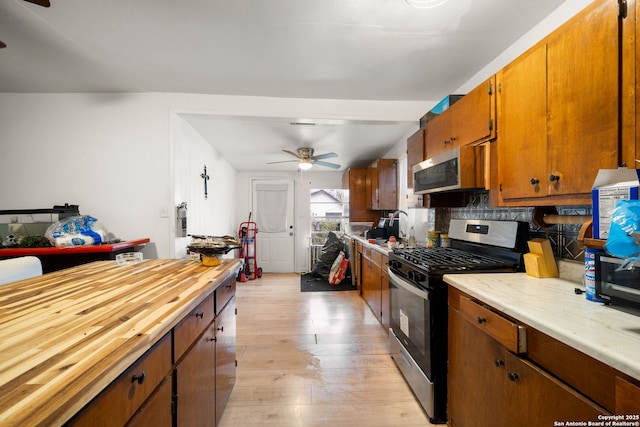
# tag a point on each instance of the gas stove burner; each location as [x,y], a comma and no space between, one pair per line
[433,259]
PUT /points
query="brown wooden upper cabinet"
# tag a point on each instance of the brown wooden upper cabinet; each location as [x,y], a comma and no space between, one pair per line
[415,153]
[383,184]
[355,180]
[470,120]
[558,112]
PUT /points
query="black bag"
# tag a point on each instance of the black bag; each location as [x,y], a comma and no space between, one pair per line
[330,251]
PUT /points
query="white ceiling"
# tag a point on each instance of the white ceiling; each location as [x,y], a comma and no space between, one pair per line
[380,50]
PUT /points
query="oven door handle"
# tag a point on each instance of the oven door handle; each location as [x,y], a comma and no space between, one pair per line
[407,286]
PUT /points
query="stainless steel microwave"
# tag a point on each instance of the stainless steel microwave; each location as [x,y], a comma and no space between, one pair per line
[460,168]
[615,285]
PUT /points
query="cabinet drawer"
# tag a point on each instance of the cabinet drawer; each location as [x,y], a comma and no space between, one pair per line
[627,398]
[189,328]
[224,293]
[122,398]
[509,334]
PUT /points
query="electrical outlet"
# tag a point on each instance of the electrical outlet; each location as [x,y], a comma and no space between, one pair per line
[164,212]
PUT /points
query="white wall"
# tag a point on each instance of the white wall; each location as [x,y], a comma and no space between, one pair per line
[113,155]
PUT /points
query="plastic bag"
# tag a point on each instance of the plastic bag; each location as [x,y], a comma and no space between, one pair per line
[330,251]
[338,269]
[76,231]
[624,232]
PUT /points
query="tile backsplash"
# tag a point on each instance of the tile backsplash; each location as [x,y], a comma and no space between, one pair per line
[563,237]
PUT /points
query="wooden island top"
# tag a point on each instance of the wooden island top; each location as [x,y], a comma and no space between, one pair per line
[66,335]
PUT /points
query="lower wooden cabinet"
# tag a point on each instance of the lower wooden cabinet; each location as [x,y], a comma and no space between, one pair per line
[196,383]
[225,325]
[489,385]
[183,380]
[375,284]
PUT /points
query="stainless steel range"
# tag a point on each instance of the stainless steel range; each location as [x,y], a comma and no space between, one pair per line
[418,299]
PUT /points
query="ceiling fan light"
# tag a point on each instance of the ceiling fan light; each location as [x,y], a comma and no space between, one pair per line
[425,4]
[305,165]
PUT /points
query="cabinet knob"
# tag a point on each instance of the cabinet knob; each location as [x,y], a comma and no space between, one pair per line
[139,378]
[512,376]
[200,315]
[554,178]
[212,339]
[534,181]
[221,329]
[498,363]
[481,320]
[446,141]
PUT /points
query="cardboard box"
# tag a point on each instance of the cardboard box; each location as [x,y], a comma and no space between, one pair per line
[439,108]
[610,186]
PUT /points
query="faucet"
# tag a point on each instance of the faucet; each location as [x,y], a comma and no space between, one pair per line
[396,214]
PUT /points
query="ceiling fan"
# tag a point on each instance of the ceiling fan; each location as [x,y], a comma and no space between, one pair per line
[306,159]
[43,3]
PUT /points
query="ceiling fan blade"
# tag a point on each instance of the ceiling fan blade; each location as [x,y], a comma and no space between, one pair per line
[292,153]
[325,156]
[2,44]
[283,161]
[43,3]
[328,165]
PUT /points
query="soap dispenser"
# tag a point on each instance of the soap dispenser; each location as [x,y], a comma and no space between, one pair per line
[412,238]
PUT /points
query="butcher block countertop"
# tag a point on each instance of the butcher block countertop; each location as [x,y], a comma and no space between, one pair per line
[610,334]
[66,335]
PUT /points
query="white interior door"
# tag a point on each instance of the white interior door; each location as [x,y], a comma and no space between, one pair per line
[272,207]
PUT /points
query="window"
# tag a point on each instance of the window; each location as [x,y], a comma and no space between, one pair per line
[329,212]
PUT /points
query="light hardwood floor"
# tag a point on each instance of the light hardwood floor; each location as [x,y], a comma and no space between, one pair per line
[313,359]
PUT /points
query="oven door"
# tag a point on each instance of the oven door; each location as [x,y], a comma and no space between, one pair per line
[410,319]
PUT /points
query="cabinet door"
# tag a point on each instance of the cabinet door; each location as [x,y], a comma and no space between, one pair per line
[415,153]
[225,356]
[196,383]
[371,286]
[438,136]
[384,298]
[475,376]
[522,126]
[583,74]
[387,191]
[156,411]
[539,398]
[472,117]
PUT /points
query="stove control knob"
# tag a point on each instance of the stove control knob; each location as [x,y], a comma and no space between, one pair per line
[419,277]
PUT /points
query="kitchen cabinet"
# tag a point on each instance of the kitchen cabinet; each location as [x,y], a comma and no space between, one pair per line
[469,120]
[375,284]
[382,182]
[225,372]
[125,395]
[184,380]
[491,380]
[415,153]
[196,381]
[355,180]
[558,112]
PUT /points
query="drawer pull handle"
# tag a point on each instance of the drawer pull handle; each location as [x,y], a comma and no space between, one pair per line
[481,320]
[139,378]
[221,329]
[554,178]
[534,181]
[512,376]
[498,363]
[200,315]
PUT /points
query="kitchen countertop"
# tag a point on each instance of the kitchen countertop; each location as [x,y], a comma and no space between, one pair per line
[380,248]
[610,334]
[66,335]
